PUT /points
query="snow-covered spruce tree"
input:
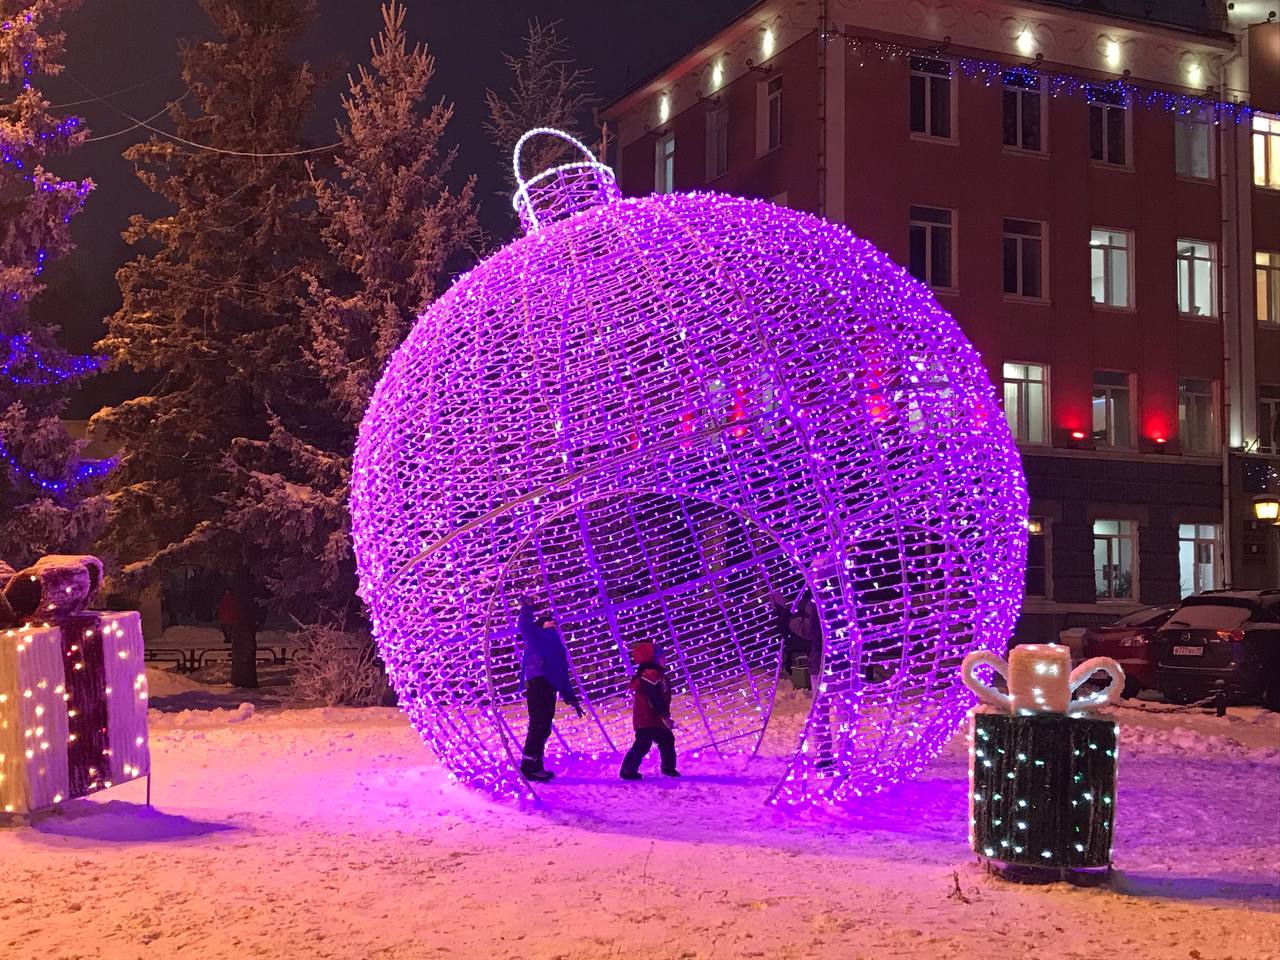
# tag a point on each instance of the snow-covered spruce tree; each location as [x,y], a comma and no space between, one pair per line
[392,227]
[547,90]
[212,304]
[45,504]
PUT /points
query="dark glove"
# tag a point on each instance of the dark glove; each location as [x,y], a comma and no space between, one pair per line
[577,706]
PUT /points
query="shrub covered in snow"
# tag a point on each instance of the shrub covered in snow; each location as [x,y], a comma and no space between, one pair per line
[337,668]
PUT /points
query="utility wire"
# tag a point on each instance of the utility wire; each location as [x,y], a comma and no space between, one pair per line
[77,103]
[201,146]
[118,133]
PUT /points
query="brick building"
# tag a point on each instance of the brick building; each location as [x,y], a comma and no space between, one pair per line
[1116,262]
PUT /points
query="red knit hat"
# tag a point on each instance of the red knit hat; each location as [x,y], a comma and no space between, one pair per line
[643,652]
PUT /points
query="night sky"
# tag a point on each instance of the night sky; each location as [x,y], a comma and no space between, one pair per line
[113,45]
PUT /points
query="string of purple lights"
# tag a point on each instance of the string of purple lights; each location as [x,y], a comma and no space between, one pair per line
[24,365]
[1055,83]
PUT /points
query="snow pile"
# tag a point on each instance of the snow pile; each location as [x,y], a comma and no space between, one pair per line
[166,683]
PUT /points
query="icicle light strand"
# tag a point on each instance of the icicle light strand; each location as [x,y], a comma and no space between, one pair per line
[994,72]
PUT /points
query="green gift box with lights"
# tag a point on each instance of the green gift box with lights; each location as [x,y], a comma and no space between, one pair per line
[1042,789]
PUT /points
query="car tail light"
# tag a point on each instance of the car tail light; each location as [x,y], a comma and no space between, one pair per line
[1230,636]
[1135,640]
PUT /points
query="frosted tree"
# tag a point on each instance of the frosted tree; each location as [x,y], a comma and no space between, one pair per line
[392,227]
[213,305]
[45,504]
[547,90]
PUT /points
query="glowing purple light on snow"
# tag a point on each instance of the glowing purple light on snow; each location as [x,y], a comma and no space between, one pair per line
[651,414]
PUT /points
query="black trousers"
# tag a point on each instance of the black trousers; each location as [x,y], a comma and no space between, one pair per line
[646,737]
[540,696]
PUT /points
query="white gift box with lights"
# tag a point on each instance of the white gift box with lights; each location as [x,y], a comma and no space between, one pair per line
[73,709]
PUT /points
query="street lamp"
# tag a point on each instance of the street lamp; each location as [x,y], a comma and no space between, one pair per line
[1266,506]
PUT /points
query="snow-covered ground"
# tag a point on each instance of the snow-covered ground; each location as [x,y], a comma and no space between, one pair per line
[331,833]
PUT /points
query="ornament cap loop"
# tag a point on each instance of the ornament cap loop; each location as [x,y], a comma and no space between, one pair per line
[561,190]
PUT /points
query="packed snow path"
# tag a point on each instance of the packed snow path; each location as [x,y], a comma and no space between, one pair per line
[332,834]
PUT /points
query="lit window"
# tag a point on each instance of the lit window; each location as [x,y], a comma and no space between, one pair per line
[1193,143]
[774,106]
[1025,401]
[1266,151]
[1113,559]
[1024,260]
[717,143]
[1108,125]
[1037,584]
[1268,419]
[1197,425]
[1109,265]
[1111,409]
[1266,275]
[664,172]
[1196,270]
[1198,550]
[932,250]
[1023,104]
[931,97]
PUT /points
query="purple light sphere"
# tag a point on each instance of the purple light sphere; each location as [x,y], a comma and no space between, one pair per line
[677,418]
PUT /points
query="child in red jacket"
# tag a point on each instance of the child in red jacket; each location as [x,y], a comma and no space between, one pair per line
[651,714]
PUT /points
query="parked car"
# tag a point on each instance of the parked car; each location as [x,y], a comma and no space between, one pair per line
[1226,640]
[1130,642]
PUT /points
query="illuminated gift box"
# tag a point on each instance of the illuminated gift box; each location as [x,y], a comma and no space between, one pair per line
[73,709]
[1043,789]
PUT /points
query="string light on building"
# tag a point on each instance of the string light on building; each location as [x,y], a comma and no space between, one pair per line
[1057,84]
[652,414]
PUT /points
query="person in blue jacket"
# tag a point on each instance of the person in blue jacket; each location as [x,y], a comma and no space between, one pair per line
[544,674]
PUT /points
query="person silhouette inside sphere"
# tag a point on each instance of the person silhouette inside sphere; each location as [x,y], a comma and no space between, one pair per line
[651,713]
[544,674]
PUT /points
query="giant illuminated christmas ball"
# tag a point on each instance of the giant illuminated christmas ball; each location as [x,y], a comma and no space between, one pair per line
[667,419]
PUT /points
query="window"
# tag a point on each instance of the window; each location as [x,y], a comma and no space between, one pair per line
[1268,419]
[664,172]
[1266,151]
[1196,270]
[1109,266]
[1037,584]
[1113,559]
[1198,550]
[1108,125]
[773,98]
[1196,422]
[1024,260]
[1193,143]
[1111,409]
[1023,102]
[1266,274]
[932,251]
[717,143]
[1025,406]
[931,97]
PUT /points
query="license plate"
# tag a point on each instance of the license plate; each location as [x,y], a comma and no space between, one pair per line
[1188,651]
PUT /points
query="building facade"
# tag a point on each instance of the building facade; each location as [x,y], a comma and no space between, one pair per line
[1095,198]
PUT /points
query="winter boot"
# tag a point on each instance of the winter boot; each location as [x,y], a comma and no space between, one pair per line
[535,771]
[670,772]
[629,775]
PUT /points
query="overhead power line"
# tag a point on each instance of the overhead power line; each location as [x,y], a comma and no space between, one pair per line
[145,124]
